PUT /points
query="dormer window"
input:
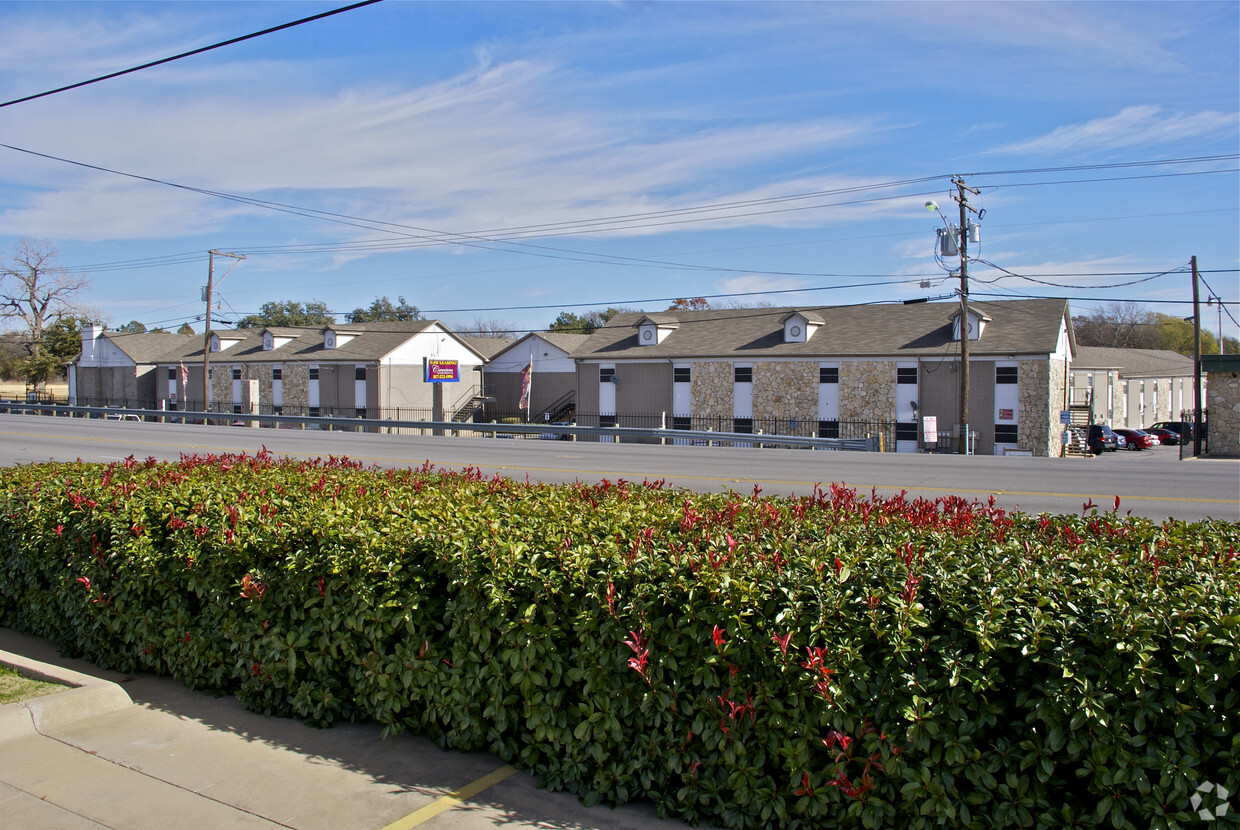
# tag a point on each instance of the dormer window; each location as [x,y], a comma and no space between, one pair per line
[654,328]
[799,326]
[977,324]
[220,344]
[333,339]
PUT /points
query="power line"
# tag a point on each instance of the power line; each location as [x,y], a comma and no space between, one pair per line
[190,53]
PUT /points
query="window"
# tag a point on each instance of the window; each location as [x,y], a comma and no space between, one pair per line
[360,412]
[1005,433]
[277,410]
[681,374]
[236,373]
[828,374]
[236,409]
[682,422]
[314,412]
[743,425]
[277,373]
[606,373]
[1005,374]
[314,373]
[906,432]
[828,429]
[907,375]
[172,373]
[607,420]
[743,374]
[359,373]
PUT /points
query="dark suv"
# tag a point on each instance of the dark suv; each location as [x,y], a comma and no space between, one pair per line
[1102,439]
[1184,429]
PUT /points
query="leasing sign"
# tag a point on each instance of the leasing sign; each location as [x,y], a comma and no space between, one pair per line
[442,371]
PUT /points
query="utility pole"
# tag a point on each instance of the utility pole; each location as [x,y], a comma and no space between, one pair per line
[206,335]
[962,191]
[1196,363]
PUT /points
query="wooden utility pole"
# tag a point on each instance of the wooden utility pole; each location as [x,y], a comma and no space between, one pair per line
[206,335]
[1196,363]
[962,191]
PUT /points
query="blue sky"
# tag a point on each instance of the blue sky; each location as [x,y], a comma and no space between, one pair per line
[505,161]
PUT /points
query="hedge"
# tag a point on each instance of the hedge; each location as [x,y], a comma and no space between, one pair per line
[834,660]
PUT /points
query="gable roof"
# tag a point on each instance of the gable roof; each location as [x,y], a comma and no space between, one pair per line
[371,341]
[563,341]
[1134,363]
[487,347]
[154,346]
[1016,327]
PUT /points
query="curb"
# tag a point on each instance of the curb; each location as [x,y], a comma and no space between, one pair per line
[88,698]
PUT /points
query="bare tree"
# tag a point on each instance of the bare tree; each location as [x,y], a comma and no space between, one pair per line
[492,327]
[1125,325]
[36,290]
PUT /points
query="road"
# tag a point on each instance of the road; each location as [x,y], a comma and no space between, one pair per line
[1153,483]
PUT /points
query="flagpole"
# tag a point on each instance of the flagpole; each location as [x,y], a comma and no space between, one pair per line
[529,395]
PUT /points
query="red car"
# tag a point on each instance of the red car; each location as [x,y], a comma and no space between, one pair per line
[1165,436]
[1138,439]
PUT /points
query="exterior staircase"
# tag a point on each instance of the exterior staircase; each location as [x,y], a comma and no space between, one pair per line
[466,410]
[1080,416]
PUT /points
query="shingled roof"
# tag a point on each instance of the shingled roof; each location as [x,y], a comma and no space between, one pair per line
[1134,363]
[151,347]
[1015,327]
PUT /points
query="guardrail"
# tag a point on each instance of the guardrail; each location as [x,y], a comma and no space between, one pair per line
[551,431]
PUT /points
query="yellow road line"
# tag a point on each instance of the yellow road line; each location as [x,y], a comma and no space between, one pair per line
[450,800]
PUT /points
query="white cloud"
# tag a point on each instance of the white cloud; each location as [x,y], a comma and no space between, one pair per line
[1131,127]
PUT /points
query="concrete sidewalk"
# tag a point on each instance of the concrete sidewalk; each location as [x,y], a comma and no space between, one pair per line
[133,752]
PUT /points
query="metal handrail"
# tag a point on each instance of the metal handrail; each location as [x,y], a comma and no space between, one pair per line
[704,437]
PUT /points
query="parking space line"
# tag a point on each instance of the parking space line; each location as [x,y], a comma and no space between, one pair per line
[450,800]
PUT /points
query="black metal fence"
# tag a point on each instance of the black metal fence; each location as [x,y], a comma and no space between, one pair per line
[885,432]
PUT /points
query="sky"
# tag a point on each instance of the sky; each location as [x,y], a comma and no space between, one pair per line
[501,162]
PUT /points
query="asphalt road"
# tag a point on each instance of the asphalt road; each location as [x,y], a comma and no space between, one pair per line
[1153,483]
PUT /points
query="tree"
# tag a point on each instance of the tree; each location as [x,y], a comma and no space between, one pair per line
[62,341]
[1123,325]
[689,304]
[492,327]
[36,290]
[585,323]
[288,313]
[185,328]
[382,311]
[132,327]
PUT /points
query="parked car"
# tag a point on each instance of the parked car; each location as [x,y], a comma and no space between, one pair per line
[1102,439]
[1137,439]
[1184,429]
[1165,436]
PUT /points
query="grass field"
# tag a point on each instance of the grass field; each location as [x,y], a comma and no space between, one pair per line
[15,687]
[16,390]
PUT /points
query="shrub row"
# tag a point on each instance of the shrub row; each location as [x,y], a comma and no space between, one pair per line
[828,661]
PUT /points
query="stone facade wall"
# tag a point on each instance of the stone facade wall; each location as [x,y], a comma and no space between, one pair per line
[785,391]
[1224,415]
[868,390]
[221,386]
[295,387]
[710,389]
[1040,397]
[260,372]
